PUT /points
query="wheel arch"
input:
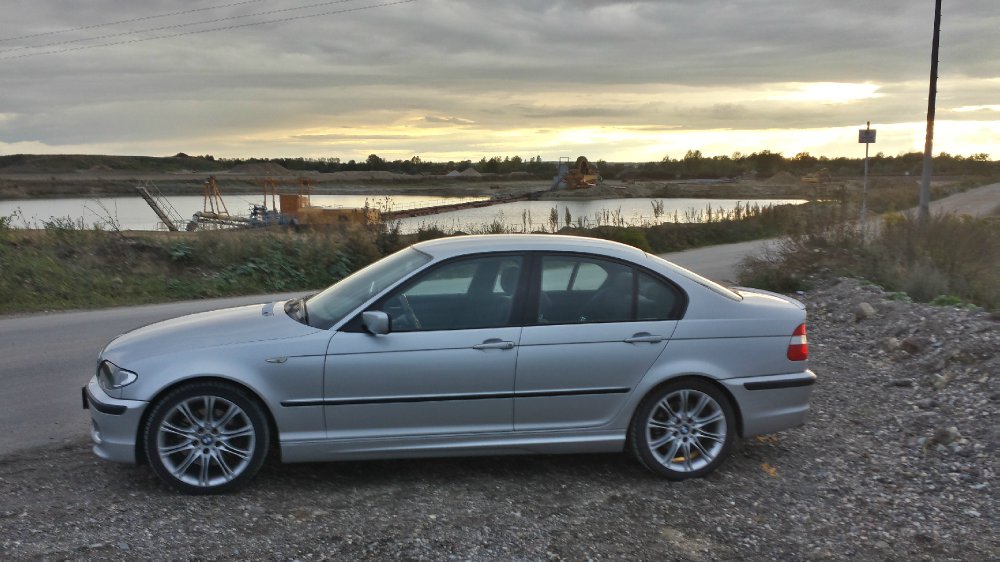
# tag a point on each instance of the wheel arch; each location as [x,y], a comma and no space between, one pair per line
[140,439]
[699,377]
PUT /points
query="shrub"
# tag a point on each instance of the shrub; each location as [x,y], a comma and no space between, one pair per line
[947,255]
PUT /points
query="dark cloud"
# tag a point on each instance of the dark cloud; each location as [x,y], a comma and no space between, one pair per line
[483,64]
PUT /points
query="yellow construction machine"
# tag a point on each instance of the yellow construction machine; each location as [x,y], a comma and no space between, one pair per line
[820,176]
[582,175]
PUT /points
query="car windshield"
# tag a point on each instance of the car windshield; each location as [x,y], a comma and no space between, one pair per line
[330,306]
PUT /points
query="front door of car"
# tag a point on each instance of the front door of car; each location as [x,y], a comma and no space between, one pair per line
[600,326]
[445,367]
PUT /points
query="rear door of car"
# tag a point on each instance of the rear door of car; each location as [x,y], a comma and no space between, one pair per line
[597,326]
[446,366]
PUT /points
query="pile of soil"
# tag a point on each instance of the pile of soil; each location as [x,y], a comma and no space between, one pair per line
[364,176]
[783,178]
[261,169]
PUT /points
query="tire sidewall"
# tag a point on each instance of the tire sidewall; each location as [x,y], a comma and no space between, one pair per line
[640,442]
[250,406]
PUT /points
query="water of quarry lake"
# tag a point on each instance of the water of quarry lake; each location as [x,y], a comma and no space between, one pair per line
[132,213]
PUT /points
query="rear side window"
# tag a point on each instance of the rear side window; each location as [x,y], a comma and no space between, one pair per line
[578,290]
[656,300]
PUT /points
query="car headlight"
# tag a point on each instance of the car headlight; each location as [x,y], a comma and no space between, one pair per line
[113,377]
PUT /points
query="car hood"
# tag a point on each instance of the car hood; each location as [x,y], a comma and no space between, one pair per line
[244,324]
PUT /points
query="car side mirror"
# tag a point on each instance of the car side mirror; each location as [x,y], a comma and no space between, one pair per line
[376,322]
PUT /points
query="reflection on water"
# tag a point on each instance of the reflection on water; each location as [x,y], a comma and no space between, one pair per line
[132,213]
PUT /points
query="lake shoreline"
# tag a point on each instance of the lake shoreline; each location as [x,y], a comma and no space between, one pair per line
[132,213]
[59,186]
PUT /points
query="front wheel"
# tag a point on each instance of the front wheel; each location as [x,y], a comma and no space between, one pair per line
[683,429]
[206,438]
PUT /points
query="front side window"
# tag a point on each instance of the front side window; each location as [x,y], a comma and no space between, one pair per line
[464,294]
[328,307]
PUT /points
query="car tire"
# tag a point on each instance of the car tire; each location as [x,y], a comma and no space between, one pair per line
[206,438]
[683,429]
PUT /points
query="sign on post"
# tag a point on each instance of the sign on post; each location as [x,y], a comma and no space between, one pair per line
[866,136]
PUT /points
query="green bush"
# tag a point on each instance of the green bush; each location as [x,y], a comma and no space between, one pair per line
[62,267]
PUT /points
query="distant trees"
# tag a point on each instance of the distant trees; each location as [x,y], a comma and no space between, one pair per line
[693,165]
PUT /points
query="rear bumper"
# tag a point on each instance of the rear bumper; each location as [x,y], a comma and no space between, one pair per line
[772,403]
[114,423]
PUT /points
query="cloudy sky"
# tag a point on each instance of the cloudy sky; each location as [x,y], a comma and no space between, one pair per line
[464,79]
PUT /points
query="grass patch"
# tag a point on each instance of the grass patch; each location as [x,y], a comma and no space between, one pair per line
[63,267]
[950,260]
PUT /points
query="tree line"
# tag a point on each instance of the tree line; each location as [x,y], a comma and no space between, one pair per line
[693,165]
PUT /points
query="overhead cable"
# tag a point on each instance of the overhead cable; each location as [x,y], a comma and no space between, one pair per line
[198,31]
[174,26]
[133,20]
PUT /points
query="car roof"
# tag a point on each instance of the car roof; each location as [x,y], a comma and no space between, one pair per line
[461,245]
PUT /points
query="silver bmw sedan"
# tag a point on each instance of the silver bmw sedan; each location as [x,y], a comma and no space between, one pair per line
[473,345]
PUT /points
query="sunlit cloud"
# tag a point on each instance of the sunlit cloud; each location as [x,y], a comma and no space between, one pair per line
[447,120]
[828,92]
[971,108]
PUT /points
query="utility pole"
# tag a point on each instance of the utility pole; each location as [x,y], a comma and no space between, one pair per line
[925,183]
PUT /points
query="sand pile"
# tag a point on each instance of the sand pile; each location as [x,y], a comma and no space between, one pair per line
[364,176]
[783,178]
[260,169]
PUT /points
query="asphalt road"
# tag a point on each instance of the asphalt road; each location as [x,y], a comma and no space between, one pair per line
[48,357]
[719,263]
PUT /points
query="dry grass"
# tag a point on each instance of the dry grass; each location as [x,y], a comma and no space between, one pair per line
[949,259]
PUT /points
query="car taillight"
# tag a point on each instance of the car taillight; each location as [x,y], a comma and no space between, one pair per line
[798,347]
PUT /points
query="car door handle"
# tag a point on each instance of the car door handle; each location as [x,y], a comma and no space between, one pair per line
[494,344]
[644,337]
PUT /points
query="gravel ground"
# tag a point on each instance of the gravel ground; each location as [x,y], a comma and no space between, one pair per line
[897,461]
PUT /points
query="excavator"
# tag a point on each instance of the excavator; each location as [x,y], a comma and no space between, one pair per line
[582,175]
[818,177]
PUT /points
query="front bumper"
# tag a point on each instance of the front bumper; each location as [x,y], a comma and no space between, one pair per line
[114,424]
[772,403]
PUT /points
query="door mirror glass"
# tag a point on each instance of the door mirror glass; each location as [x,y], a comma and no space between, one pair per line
[376,322]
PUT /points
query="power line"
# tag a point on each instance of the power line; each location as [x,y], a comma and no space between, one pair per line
[174,26]
[133,20]
[223,28]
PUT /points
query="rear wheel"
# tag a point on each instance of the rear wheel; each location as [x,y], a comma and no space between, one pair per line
[683,429]
[206,438]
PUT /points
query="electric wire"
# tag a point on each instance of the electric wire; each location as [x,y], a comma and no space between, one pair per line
[209,30]
[133,20]
[174,26]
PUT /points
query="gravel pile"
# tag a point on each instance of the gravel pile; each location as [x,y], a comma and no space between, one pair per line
[898,461]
